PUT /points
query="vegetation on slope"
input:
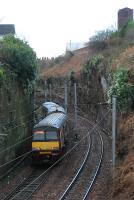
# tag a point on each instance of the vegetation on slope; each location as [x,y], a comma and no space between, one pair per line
[112,56]
[121,83]
[18,67]
[66,65]
[18,57]
[123,90]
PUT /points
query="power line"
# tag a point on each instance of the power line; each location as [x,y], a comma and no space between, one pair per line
[19,104]
[19,141]
[23,116]
[20,119]
[15,159]
[60,158]
[10,147]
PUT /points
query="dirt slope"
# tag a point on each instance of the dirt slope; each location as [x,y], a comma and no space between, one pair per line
[124,180]
[124,175]
[73,64]
[125,59]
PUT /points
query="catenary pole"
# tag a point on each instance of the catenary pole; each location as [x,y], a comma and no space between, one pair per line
[75,106]
[65,96]
[45,90]
[113,128]
[50,91]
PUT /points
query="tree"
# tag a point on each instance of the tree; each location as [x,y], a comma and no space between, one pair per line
[99,41]
[20,58]
[123,90]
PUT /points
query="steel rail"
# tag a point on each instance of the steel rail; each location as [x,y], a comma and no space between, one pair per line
[97,170]
[19,193]
[100,162]
[33,185]
[78,172]
[98,125]
[13,167]
[64,195]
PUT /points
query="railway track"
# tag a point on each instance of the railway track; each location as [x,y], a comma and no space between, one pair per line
[38,177]
[71,164]
[84,179]
[24,161]
[28,186]
[79,185]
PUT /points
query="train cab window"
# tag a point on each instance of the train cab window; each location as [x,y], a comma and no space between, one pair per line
[38,136]
[51,135]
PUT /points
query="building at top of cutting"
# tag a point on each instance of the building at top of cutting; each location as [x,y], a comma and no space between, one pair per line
[124,15]
[6,29]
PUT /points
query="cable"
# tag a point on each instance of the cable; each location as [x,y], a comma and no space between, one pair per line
[21,140]
[20,124]
[15,159]
[10,111]
[15,109]
[10,147]
[23,116]
[104,117]
[60,158]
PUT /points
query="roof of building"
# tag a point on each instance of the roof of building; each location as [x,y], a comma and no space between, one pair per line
[124,9]
[7,29]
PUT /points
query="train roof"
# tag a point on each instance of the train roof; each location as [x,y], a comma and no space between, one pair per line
[53,107]
[55,120]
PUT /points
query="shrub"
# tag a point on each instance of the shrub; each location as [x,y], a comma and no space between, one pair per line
[93,64]
[2,74]
[99,41]
[122,151]
[123,90]
[20,58]
[125,28]
[72,77]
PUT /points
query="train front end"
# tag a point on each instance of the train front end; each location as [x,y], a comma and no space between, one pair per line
[45,145]
[48,140]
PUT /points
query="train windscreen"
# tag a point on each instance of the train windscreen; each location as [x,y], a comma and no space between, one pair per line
[45,136]
[39,136]
[51,135]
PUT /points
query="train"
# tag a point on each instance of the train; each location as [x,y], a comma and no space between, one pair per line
[49,135]
[51,107]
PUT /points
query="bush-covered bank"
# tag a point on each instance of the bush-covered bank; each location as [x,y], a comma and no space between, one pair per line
[18,68]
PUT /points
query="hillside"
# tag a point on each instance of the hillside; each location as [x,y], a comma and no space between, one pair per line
[73,64]
[123,188]
[124,59]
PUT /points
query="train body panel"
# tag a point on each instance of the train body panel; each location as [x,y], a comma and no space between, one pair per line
[45,146]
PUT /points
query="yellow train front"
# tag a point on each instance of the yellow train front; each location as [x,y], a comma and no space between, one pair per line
[48,140]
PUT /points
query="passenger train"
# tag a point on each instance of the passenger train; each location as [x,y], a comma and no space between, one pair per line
[49,135]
